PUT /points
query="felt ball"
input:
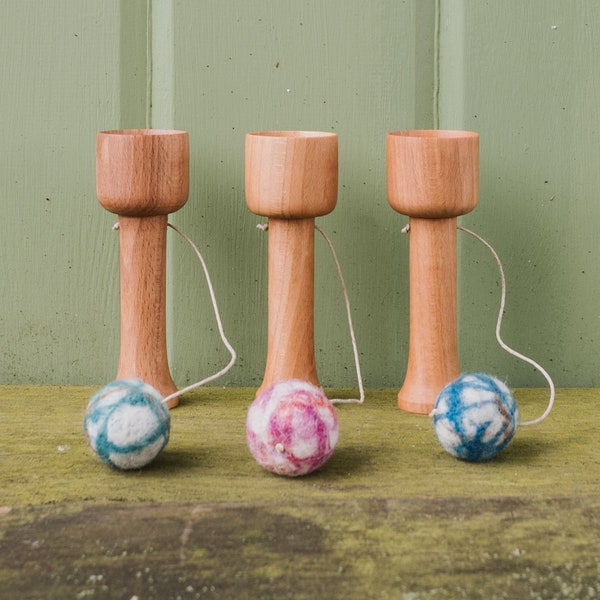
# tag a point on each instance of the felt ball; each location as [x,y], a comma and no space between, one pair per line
[475,417]
[127,424]
[292,428]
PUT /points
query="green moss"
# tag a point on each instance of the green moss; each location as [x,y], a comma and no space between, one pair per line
[391,515]
[418,548]
[382,452]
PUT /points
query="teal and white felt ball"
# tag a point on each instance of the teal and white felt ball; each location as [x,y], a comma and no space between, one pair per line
[475,417]
[127,424]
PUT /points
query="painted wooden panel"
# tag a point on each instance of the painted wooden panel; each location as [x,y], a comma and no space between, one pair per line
[63,79]
[523,74]
[354,68]
[526,75]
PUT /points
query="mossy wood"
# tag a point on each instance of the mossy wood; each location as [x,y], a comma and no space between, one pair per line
[390,515]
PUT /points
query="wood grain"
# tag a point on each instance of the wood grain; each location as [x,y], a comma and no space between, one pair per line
[290,342]
[433,177]
[143,175]
[433,174]
[291,174]
[291,177]
[142,172]
[433,346]
[518,548]
[143,254]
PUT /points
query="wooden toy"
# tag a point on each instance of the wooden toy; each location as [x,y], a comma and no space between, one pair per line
[291,178]
[433,177]
[142,175]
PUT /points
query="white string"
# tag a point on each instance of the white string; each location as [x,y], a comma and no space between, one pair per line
[350,326]
[361,399]
[217,317]
[499,325]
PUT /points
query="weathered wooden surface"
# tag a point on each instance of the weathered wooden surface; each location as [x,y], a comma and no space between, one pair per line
[382,452]
[411,548]
[391,515]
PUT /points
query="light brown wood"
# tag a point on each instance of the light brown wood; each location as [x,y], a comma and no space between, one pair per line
[433,174]
[291,174]
[291,177]
[433,350]
[143,175]
[143,301]
[433,177]
[142,172]
[290,346]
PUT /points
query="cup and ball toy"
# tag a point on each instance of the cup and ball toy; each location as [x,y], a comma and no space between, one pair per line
[433,177]
[291,177]
[142,175]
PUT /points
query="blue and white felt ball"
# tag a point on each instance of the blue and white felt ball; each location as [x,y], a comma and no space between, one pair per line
[127,424]
[475,417]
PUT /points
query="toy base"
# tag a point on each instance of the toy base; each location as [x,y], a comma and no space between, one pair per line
[173,403]
[421,388]
[419,401]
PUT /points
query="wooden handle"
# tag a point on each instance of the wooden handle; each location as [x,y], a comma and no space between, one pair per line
[290,346]
[143,302]
[143,175]
[433,177]
[433,349]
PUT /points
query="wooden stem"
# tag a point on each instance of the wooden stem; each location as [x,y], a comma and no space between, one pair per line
[433,349]
[290,346]
[143,302]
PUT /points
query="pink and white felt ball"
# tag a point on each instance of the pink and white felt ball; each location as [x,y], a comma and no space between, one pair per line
[292,428]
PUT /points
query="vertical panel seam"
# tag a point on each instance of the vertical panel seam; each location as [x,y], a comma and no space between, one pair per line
[161,114]
[162,63]
[149,63]
[436,65]
[133,63]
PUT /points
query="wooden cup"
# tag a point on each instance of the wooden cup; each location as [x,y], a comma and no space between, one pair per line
[291,178]
[433,177]
[142,175]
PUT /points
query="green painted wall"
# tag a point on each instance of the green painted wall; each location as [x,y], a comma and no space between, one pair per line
[63,75]
[523,74]
[526,75]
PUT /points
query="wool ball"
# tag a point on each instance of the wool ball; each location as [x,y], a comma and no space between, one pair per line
[292,428]
[127,424]
[475,417]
